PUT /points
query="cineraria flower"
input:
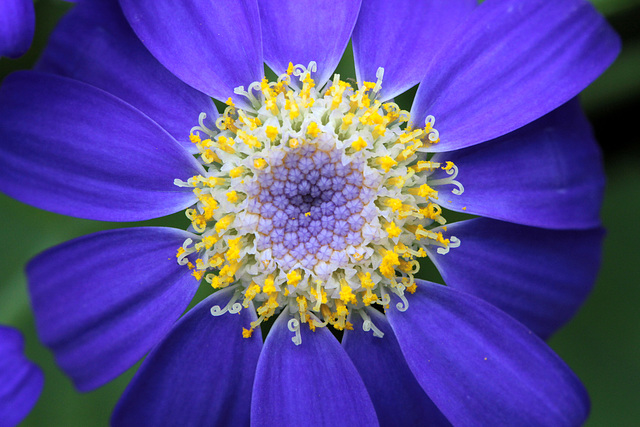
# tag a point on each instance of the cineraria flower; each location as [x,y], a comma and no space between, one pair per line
[20,380]
[313,201]
[17,24]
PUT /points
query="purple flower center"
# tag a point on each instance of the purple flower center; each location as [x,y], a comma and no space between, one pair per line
[311,207]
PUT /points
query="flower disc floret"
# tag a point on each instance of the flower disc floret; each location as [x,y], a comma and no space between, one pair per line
[315,200]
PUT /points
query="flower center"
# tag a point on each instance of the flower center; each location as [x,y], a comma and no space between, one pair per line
[314,200]
[311,208]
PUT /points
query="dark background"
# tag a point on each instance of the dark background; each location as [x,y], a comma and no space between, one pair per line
[601,344]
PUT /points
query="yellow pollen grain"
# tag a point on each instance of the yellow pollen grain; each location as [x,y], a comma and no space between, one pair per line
[424,191]
[198,274]
[359,144]
[232,197]
[233,254]
[269,286]
[272,106]
[236,172]
[209,241]
[250,293]
[272,132]
[259,163]
[294,143]
[389,261]
[394,204]
[312,130]
[291,106]
[224,222]
[393,230]
[293,277]
[346,121]
[346,294]
[225,144]
[386,162]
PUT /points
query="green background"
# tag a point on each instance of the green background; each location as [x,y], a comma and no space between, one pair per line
[601,344]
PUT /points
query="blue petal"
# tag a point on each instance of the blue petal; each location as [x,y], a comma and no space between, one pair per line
[510,63]
[402,36]
[547,174]
[300,31]
[94,43]
[540,277]
[20,380]
[315,380]
[480,366]
[214,46]
[103,300]
[398,398]
[73,149]
[17,25]
[201,374]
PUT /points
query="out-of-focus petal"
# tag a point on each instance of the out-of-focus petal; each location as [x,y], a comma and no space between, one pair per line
[71,148]
[200,374]
[214,46]
[398,398]
[480,366]
[17,25]
[20,380]
[540,277]
[315,380]
[103,300]
[94,43]
[510,63]
[547,174]
[300,31]
[402,36]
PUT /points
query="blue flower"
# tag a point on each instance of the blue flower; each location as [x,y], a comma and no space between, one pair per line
[311,201]
[20,380]
[17,24]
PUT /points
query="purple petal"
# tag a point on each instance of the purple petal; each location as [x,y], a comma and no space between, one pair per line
[111,57]
[212,46]
[103,300]
[73,149]
[200,374]
[510,63]
[480,366]
[300,31]
[17,25]
[20,380]
[315,380]
[398,398]
[540,277]
[402,36]
[547,174]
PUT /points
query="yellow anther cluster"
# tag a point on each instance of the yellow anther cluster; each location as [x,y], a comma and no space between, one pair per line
[359,144]
[351,126]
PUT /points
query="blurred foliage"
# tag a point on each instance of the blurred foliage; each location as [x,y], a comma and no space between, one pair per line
[602,343]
